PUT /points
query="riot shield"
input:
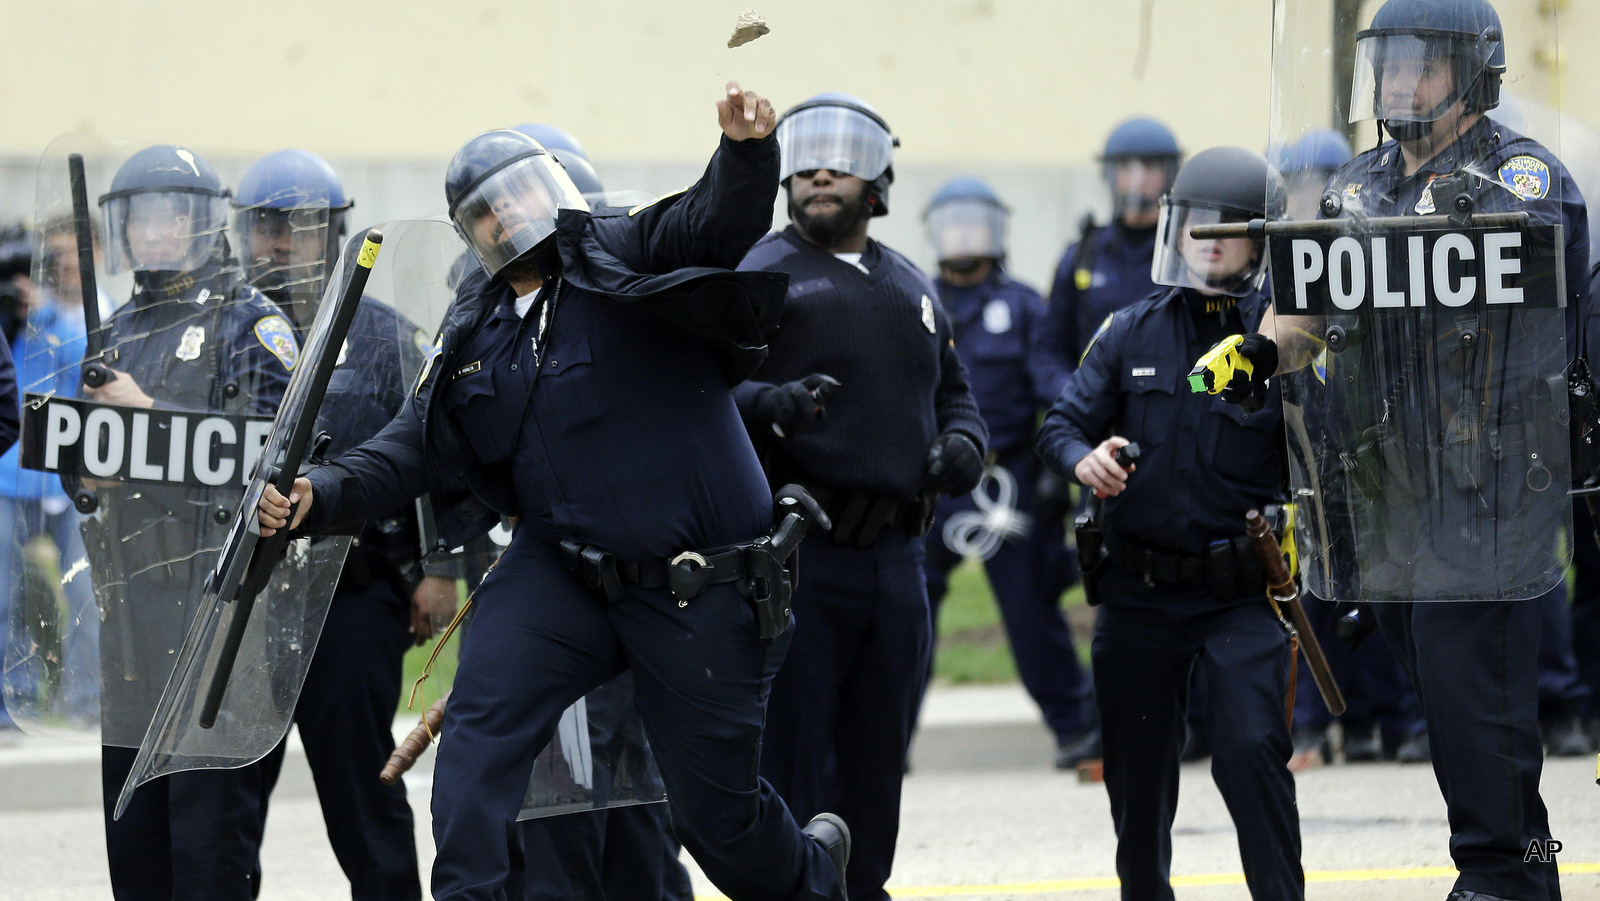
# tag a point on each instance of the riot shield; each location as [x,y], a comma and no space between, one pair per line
[599,758]
[1420,295]
[145,409]
[242,665]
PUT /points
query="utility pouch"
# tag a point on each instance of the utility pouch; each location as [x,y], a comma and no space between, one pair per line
[597,569]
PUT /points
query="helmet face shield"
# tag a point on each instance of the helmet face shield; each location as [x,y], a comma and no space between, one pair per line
[288,250]
[1415,76]
[967,228]
[1233,266]
[513,208]
[1138,183]
[836,138]
[162,231]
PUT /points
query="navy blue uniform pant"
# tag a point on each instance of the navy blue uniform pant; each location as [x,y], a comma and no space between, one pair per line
[538,640]
[1475,668]
[845,702]
[613,854]
[1561,687]
[192,836]
[346,718]
[1025,575]
[1143,656]
[1586,604]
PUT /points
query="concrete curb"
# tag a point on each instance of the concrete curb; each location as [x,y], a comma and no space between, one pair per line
[989,727]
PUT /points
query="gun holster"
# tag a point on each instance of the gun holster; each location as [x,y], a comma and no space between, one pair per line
[768,582]
[595,567]
[1092,557]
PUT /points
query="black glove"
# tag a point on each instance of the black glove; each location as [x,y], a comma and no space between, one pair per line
[795,407]
[954,464]
[1250,391]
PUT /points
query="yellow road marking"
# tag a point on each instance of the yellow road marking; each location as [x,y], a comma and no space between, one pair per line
[1098,883]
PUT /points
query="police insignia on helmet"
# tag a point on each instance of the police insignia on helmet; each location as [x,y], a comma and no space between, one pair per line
[275,335]
[1528,177]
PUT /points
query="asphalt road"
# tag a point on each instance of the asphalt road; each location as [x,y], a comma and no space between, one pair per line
[984,817]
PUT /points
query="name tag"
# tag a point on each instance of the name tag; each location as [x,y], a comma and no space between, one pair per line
[1144,372]
[469,369]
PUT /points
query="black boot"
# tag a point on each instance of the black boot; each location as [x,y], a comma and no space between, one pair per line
[1363,743]
[1073,751]
[829,831]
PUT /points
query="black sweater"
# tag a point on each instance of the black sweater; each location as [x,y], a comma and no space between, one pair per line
[883,335]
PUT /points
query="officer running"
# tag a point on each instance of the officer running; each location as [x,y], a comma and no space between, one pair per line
[1180,587]
[581,384]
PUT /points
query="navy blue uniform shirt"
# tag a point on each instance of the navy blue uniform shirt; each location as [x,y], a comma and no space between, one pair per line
[883,334]
[1204,462]
[219,345]
[998,325]
[1118,275]
[628,438]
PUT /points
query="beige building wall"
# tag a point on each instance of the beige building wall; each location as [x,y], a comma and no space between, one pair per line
[1022,92]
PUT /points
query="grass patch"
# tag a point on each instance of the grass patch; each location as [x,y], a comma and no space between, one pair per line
[444,674]
[972,646]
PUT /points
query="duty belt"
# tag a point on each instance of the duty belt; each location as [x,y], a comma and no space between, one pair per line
[1228,567]
[859,517]
[686,574]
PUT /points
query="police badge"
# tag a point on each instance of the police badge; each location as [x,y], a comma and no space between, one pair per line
[194,338]
[927,314]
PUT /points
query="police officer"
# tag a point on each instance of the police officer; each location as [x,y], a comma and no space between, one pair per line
[1108,267]
[194,336]
[902,428]
[997,323]
[582,384]
[618,852]
[1428,70]
[1181,588]
[1381,717]
[291,213]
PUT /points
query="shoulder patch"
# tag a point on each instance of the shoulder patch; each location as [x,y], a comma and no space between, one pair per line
[1527,176]
[276,336]
[1096,336]
[433,353]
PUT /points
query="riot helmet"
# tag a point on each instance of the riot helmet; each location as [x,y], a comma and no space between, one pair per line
[966,221]
[552,139]
[1306,165]
[504,191]
[841,133]
[1420,57]
[165,213]
[1223,184]
[1138,164]
[289,215]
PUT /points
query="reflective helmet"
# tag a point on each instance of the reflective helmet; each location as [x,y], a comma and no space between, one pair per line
[289,215]
[1138,164]
[1223,184]
[965,220]
[504,190]
[839,132]
[1412,38]
[166,212]
[1306,166]
[569,153]
[553,139]
[1323,150]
